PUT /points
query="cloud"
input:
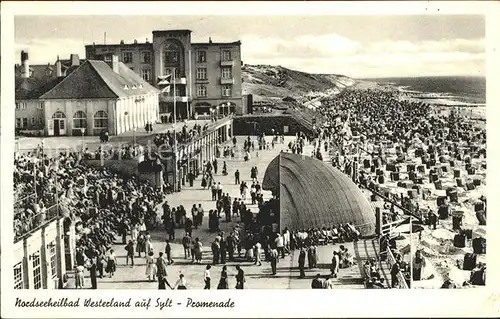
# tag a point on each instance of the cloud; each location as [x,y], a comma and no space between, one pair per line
[332,53]
[327,53]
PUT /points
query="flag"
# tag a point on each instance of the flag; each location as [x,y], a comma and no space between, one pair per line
[164,84]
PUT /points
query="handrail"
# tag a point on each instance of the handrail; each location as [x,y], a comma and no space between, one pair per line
[34,224]
[401,278]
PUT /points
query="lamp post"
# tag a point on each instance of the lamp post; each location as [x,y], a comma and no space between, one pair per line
[175,135]
[196,118]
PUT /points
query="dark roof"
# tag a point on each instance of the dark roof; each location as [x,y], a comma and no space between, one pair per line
[148,44]
[315,194]
[217,43]
[33,88]
[172,31]
[96,79]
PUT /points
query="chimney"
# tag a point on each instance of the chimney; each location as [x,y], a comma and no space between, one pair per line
[114,63]
[210,40]
[75,59]
[147,41]
[58,68]
[25,65]
[135,41]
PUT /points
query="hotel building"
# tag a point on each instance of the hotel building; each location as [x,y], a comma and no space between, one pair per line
[207,75]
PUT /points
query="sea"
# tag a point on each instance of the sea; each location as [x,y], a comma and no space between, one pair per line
[442,90]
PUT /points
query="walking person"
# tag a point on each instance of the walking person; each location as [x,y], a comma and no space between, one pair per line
[93,272]
[206,277]
[236,177]
[168,252]
[161,266]
[335,264]
[186,243]
[79,277]
[151,269]
[130,252]
[240,278]
[223,282]
[257,253]
[302,262]
[273,255]
[111,263]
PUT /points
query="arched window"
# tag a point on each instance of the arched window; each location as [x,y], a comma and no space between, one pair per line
[59,115]
[101,119]
[172,54]
[80,120]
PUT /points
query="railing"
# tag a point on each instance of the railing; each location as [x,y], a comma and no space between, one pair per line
[34,223]
[401,278]
[195,138]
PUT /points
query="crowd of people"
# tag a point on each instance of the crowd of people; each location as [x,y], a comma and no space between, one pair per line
[365,123]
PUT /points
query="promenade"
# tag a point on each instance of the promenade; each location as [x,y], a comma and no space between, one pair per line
[127,277]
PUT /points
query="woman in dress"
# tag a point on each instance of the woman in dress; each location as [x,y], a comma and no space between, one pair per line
[148,246]
[111,263]
[198,250]
[224,169]
[150,267]
[223,282]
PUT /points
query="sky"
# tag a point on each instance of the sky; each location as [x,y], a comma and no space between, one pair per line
[355,46]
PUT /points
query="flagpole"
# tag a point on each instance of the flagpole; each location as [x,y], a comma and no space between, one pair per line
[175,135]
[411,254]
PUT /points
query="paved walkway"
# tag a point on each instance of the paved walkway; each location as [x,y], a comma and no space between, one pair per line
[128,277]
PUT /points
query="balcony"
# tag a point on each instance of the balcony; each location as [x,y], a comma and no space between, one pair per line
[180,81]
[226,63]
[170,98]
[224,81]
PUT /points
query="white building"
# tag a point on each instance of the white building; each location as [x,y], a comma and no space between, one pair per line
[95,97]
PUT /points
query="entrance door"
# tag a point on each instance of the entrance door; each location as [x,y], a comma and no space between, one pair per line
[57,130]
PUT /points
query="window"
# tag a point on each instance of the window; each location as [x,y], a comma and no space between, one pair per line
[18,276]
[201,73]
[127,57]
[25,122]
[226,90]
[21,105]
[59,115]
[201,90]
[80,120]
[146,74]
[53,259]
[226,55]
[40,105]
[19,122]
[107,58]
[201,56]
[100,119]
[168,71]
[32,121]
[172,54]
[37,271]
[146,57]
[227,73]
